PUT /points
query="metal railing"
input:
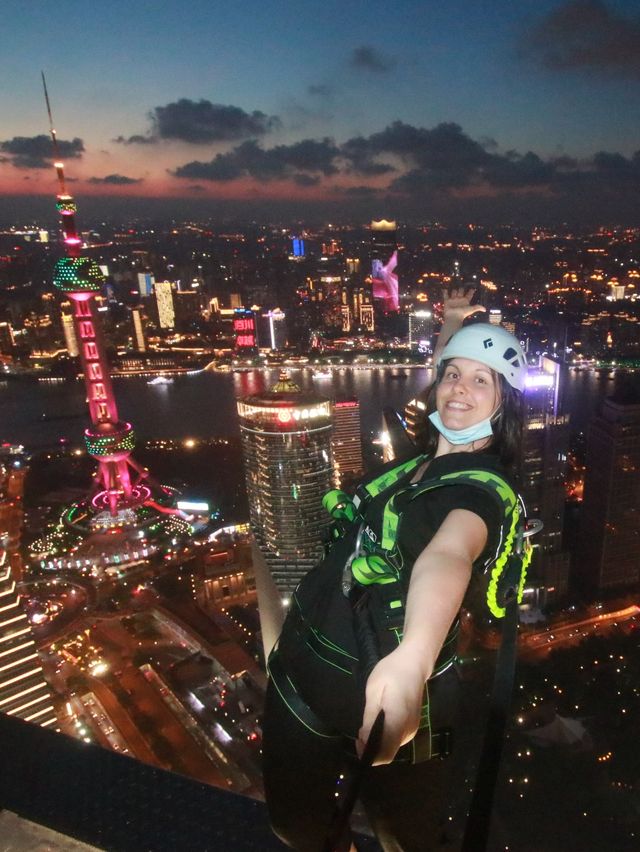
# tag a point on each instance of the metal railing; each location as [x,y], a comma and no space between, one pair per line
[117,803]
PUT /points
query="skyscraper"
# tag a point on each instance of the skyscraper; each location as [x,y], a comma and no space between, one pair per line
[146,283]
[384,259]
[546,441]
[608,554]
[421,330]
[286,440]
[70,339]
[384,239]
[23,690]
[273,331]
[346,442]
[164,301]
[138,330]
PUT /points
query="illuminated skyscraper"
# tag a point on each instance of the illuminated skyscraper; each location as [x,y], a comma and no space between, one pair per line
[146,283]
[273,331]
[164,300]
[421,330]
[546,441]
[608,554]
[286,440]
[346,442]
[23,690]
[384,259]
[7,340]
[384,239]
[138,330]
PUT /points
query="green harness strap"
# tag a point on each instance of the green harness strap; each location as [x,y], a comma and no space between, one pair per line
[506,563]
[380,568]
[345,509]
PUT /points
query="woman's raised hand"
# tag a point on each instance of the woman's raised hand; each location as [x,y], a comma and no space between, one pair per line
[456,304]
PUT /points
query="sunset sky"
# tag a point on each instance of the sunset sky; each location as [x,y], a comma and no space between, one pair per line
[416,108]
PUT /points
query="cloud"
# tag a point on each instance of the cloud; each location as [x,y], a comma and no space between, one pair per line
[136,139]
[586,35]
[440,167]
[115,180]
[367,58]
[442,156]
[515,170]
[360,156]
[360,191]
[321,90]
[281,162]
[201,122]
[36,152]
[302,179]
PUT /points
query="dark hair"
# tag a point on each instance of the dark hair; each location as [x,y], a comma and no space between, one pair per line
[508,423]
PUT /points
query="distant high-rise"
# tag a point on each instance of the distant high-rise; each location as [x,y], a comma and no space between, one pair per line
[384,259]
[138,330]
[608,553]
[421,330]
[7,340]
[273,331]
[384,239]
[23,690]
[146,283]
[286,440]
[164,300]
[346,442]
[244,329]
[546,441]
[70,339]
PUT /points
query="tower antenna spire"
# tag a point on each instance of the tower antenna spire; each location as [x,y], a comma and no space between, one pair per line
[56,151]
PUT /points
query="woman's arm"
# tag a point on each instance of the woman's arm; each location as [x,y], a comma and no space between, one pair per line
[438,584]
[456,307]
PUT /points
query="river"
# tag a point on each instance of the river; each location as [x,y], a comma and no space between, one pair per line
[204,404]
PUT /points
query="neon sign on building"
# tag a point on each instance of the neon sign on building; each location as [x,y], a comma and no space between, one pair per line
[244,327]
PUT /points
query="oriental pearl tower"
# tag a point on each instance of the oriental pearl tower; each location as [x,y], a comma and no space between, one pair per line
[123,499]
[120,481]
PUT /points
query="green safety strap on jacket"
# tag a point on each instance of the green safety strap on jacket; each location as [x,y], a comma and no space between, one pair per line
[490,482]
[344,508]
[497,483]
[390,477]
[373,568]
[506,559]
[495,595]
[339,505]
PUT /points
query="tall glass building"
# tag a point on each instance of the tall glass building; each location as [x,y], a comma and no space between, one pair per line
[286,438]
[23,690]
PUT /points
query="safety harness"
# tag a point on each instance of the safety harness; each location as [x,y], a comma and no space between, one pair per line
[373,583]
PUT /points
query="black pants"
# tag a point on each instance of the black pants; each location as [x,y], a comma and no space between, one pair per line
[411,808]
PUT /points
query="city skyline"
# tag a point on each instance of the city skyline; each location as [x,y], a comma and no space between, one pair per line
[519,111]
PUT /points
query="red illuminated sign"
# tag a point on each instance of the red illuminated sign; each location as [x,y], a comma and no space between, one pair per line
[245,340]
[245,330]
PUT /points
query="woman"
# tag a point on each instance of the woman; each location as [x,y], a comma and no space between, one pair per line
[474,420]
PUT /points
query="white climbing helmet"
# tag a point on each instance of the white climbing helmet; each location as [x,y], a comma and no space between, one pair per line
[491,345]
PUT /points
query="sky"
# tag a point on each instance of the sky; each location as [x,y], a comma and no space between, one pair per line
[469,109]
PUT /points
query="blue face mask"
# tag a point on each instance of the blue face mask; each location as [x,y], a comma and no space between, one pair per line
[480,430]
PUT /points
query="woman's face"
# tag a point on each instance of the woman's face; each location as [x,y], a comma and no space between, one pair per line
[468,393]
